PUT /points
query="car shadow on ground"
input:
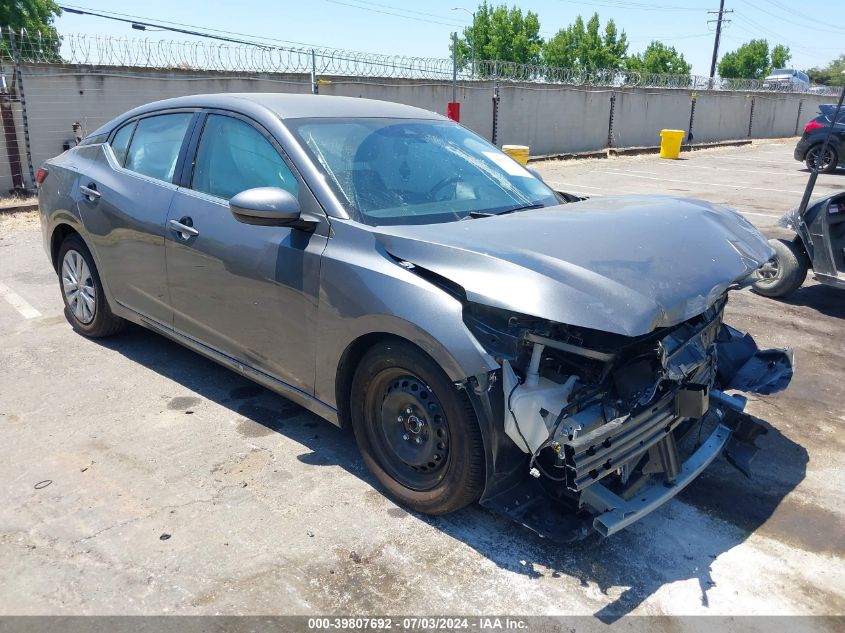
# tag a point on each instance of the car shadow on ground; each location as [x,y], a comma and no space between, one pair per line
[825,299]
[676,543]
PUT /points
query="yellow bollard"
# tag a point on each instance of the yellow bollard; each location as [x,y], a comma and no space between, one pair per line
[518,152]
[670,143]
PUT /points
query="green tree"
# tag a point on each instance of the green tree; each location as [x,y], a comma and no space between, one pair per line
[501,33]
[36,17]
[830,75]
[749,61]
[659,58]
[780,56]
[587,47]
[752,61]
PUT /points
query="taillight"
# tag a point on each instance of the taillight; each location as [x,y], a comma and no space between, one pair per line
[813,125]
[40,175]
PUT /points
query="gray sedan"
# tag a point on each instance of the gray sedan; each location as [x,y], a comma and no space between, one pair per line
[487,338]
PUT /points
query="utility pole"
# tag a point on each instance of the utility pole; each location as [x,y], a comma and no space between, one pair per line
[718,22]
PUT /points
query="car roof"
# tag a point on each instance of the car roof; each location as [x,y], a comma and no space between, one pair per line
[295,106]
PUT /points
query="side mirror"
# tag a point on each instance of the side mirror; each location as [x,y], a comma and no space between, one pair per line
[266,206]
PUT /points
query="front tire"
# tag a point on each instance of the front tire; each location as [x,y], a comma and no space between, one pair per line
[82,291]
[416,431]
[784,273]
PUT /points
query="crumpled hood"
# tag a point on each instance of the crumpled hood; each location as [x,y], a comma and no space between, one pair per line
[622,264]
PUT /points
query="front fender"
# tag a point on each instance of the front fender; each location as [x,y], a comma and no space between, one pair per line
[363,291]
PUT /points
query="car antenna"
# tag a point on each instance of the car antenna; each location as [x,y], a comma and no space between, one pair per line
[814,171]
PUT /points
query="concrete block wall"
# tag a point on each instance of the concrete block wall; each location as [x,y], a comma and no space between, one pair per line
[721,116]
[641,114]
[549,118]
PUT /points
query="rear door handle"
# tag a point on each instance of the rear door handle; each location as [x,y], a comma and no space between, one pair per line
[186,231]
[89,191]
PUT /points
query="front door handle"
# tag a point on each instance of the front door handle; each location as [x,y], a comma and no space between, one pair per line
[184,228]
[89,191]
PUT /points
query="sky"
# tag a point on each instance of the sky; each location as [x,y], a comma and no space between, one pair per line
[423,29]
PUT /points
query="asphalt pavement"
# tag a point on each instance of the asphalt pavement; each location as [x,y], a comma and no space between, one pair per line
[137,477]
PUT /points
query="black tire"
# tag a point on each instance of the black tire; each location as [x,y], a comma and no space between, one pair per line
[442,472]
[813,155]
[784,273]
[103,322]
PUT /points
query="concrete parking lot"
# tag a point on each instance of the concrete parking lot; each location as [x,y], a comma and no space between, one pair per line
[139,478]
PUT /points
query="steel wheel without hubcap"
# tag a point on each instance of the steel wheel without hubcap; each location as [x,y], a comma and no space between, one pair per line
[409,431]
[78,287]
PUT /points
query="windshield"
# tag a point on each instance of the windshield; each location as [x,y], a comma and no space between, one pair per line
[405,171]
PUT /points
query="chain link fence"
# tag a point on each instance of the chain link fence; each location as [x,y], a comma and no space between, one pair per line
[96,50]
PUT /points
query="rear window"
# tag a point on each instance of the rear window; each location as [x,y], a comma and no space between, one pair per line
[156,143]
[120,142]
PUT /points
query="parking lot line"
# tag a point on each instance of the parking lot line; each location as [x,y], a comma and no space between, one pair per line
[744,171]
[755,160]
[578,190]
[632,174]
[18,303]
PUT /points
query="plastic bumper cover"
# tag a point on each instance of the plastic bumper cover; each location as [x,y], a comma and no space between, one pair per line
[616,513]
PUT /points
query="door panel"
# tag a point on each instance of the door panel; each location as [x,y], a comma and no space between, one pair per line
[125,209]
[126,226]
[247,291]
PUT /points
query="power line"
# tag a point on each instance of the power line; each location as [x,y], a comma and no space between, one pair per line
[762,31]
[639,6]
[114,15]
[796,20]
[395,8]
[398,15]
[158,26]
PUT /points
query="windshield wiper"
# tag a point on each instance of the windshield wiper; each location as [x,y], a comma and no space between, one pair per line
[522,207]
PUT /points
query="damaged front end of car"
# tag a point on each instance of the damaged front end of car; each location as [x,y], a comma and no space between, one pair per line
[603,428]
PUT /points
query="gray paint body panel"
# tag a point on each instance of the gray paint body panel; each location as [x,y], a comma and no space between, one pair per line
[664,260]
[626,264]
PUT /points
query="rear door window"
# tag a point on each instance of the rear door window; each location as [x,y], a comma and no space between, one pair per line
[120,142]
[234,156]
[156,143]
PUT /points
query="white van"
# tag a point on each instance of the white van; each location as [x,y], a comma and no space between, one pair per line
[787,79]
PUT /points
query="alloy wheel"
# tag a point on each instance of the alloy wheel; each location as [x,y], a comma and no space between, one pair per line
[78,287]
[769,271]
[815,158]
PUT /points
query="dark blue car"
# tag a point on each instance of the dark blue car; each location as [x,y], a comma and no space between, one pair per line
[809,148]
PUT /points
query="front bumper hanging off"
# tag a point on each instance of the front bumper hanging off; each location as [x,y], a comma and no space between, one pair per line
[607,508]
[615,513]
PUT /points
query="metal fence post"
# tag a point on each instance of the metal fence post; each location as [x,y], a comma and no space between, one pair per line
[454,66]
[798,116]
[315,89]
[22,96]
[610,119]
[693,97]
[495,136]
[751,118]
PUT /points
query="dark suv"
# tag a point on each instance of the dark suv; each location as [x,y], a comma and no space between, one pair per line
[809,148]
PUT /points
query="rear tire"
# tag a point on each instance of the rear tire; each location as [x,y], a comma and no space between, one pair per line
[416,431]
[82,291]
[784,273]
[813,159]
